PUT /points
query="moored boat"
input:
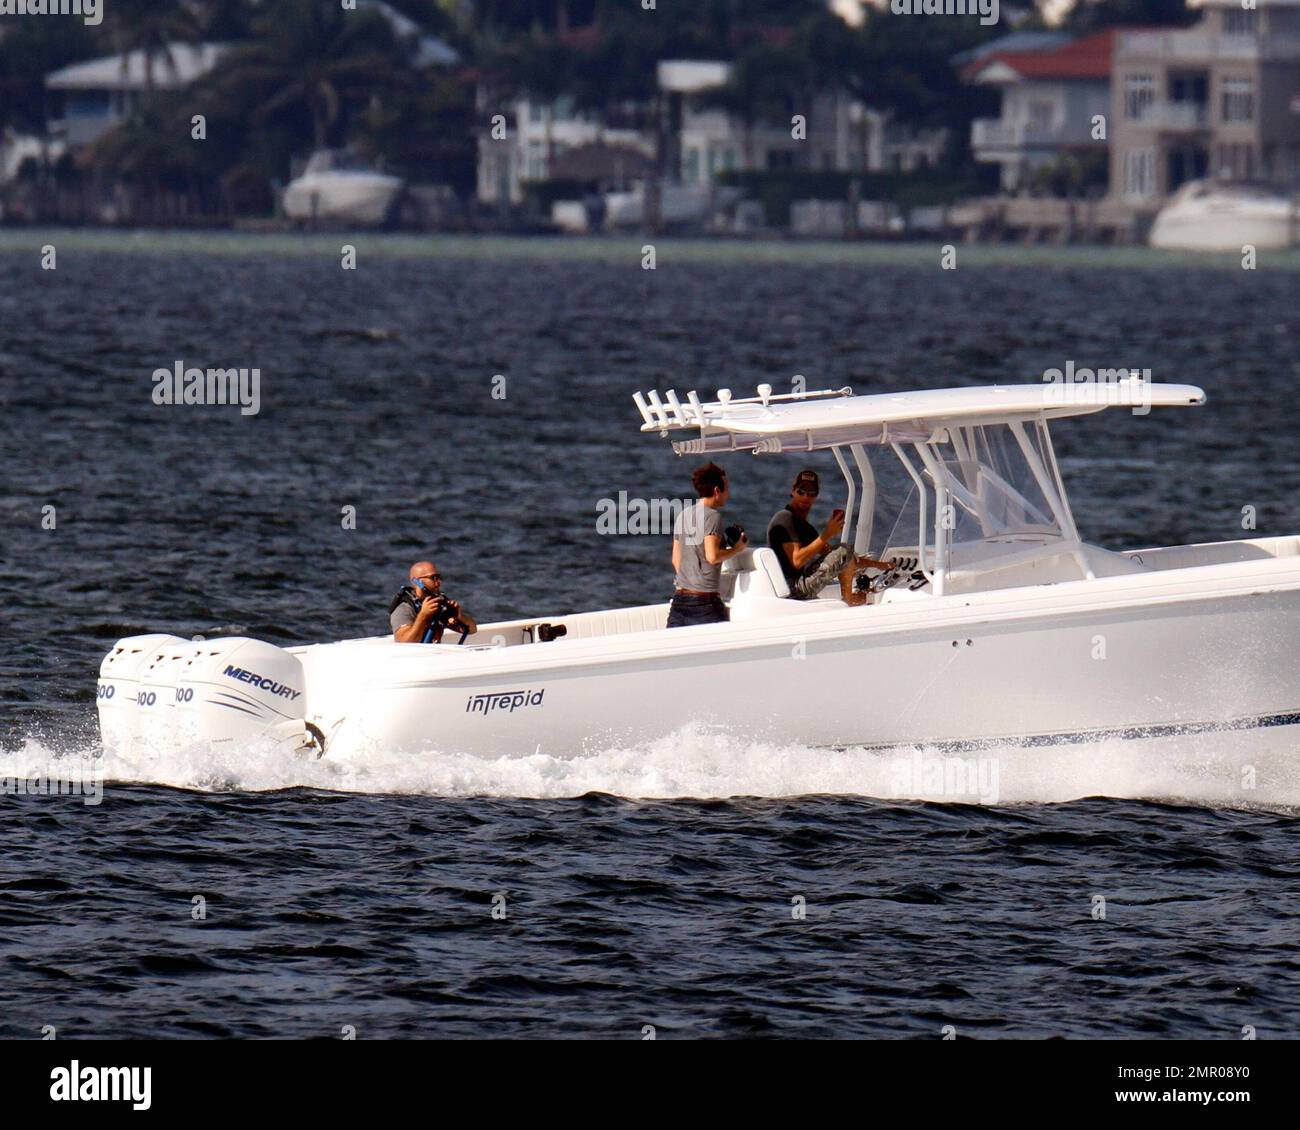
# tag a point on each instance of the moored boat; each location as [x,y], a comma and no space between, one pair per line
[1216,215]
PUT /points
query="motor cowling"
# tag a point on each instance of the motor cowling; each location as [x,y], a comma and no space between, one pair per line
[236,690]
[160,727]
[118,693]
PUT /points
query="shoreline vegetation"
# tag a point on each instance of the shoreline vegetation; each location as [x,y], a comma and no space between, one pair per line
[614,249]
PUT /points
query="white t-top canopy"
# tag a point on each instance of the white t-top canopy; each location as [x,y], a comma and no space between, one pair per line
[833,418]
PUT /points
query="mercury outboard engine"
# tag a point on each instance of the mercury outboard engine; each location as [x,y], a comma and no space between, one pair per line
[118,694]
[232,690]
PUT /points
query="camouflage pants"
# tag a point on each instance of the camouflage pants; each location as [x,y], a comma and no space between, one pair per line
[832,565]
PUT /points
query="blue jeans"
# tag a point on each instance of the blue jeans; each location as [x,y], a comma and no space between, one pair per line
[687,610]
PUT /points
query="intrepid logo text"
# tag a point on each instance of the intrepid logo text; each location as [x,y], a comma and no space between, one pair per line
[503,700]
[282,689]
[102,1084]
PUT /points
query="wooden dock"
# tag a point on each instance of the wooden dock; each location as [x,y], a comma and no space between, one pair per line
[1049,220]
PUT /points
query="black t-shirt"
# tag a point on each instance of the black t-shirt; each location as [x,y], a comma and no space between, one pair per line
[787,526]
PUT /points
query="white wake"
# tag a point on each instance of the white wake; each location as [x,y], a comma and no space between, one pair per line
[1202,769]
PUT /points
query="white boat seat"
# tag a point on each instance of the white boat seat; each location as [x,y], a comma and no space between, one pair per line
[754,574]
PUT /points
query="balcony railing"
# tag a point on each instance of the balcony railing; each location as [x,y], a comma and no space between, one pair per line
[994,133]
[1199,47]
[1174,116]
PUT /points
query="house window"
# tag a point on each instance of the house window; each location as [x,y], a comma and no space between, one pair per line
[1239,21]
[1139,93]
[535,164]
[692,164]
[1140,173]
[1040,114]
[1236,161]
[1238,100]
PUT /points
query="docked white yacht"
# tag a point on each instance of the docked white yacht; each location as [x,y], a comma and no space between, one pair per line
[1218,215]
[998,626]
[340,187]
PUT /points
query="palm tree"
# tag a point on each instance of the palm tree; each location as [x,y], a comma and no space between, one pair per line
[314,57]
[155,28]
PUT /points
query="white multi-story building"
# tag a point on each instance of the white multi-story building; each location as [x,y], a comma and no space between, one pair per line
[703,140]
[520,140]
[1052,97]
[1221,98]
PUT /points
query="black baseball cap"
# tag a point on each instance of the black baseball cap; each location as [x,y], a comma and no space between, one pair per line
[808,480]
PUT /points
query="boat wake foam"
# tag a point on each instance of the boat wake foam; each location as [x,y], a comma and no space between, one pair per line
[1202,769]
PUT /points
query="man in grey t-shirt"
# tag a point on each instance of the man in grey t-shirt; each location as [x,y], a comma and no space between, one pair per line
[419,612]
[698,554]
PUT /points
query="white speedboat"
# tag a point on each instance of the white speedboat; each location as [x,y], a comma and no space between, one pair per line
[1215,215]
[339,187]
[1001,625]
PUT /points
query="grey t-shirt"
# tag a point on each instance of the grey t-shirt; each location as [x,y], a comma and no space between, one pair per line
[693,525]
[401,616]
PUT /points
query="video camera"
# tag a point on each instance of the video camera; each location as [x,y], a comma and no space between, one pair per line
[444,613]
[731,536]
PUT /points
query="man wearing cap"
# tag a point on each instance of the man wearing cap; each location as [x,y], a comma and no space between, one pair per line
[807,557]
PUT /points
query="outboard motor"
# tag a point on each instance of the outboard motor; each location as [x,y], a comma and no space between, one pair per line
[237,690]
[158,728]
[159,693]
[118,692]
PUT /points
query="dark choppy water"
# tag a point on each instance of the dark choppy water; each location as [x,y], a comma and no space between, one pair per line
[365,898]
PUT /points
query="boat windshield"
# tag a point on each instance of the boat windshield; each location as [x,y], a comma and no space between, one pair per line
[1001,490]
[336,161]
[992,485]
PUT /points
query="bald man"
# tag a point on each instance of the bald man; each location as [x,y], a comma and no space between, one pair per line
[412,611]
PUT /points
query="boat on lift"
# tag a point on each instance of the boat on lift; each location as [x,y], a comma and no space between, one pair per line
[999,626]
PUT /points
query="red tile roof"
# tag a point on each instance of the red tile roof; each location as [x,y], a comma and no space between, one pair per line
[1086,58]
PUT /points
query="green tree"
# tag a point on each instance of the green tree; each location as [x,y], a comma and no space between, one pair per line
[29,51]
[1094,15]
[155,28]
[316,60]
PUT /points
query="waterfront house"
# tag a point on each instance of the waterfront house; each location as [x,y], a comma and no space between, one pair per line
[704,140]
[1221,98]
[1053,91]
[88,99]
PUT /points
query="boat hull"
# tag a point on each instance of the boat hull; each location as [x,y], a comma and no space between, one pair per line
[1191,651]
[342,198]
[1224,226]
